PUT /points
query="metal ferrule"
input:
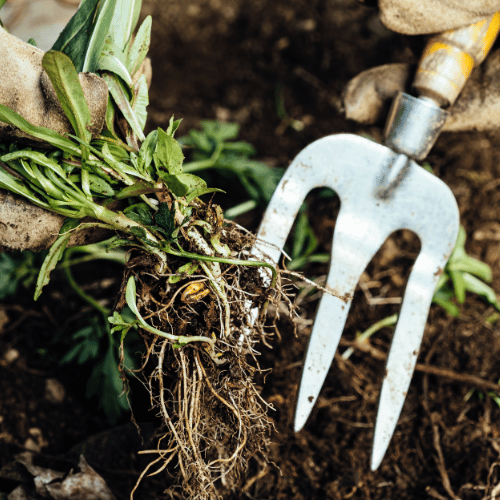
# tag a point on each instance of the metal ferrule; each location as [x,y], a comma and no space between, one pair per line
[413,125]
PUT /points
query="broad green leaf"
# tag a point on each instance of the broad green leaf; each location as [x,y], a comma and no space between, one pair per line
[140,101]
[109,62]
[55,253]
[200,140]
[100,32]
[100,186]
[75,37]
[220,131]
[184,184]
[168,154]
[140,47]
[42,133]
[120,97]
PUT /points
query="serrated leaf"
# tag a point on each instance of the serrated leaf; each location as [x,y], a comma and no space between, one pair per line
[165,219]
[55,254]
[140,47]
[168,153]
[140,213]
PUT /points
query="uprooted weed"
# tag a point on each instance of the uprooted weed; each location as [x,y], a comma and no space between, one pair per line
[214,419]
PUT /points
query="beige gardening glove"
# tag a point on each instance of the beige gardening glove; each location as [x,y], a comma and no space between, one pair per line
[367,97]
[26,88]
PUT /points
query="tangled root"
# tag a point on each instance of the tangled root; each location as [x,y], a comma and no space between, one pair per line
[214,420]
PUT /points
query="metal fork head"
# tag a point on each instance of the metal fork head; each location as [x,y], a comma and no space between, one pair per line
[380,192]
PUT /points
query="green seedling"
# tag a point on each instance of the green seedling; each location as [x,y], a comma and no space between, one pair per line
[17,270]
[214,147]
[462,274]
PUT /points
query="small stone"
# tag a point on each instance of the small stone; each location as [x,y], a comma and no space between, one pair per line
[54,391]
[10,356]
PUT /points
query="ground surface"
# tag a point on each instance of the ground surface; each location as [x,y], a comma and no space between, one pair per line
[226,60]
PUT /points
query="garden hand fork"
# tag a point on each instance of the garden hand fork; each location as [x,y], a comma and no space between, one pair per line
[381,189]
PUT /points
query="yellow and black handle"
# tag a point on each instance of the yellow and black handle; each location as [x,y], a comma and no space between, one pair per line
[414,123]
[450,57]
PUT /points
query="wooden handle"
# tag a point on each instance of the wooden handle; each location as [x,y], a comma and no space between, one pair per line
[449,58]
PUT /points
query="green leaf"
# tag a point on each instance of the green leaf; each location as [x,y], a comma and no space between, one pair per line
[165,219]
[13,184]
[100,186]
[120,96]
[474,285]
[185,270]
[184,184]
[138,232]
[147,150]
[69,92]
[109,62]
[168,153]
[140,47]
[201,191]
[42,133]
[55,254]
[124,21]
[140,100]
[74,38]
[173,125]
[137,189]
[220,131]
[140,213]
[100,32]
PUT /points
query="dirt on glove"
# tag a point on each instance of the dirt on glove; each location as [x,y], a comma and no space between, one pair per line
[432,16]
[26,88]
[367,96]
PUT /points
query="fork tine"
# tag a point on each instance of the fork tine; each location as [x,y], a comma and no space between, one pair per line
[404,351]
[349,259]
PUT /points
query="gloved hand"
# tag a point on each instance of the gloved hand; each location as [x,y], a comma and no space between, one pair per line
[26,88]
[367,97]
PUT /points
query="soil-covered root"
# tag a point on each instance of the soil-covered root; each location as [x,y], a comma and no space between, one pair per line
[214,420]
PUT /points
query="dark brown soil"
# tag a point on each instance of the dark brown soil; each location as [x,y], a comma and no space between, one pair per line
[225,59]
